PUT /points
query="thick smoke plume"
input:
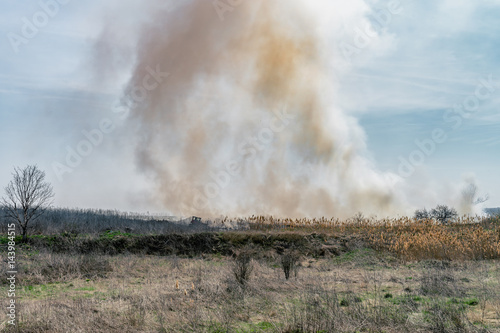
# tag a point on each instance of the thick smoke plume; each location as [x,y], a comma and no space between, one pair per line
[246,121]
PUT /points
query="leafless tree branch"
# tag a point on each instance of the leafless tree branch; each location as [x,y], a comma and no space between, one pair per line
[27,196]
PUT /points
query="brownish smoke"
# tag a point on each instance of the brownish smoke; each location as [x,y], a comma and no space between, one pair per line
[228,81]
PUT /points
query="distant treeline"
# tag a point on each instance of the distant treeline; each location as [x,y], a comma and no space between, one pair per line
[95,221]
[492,211]
[91,221]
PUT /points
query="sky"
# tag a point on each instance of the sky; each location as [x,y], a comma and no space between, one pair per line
[420,78]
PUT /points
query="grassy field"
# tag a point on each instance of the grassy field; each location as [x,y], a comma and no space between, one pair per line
[403,276]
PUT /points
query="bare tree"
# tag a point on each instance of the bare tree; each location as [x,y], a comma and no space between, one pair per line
[422,214]
[469,195]
[443,214]
[27,197]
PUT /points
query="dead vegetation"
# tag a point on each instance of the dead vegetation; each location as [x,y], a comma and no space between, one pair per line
[358,291]
[353,278]
[408,239]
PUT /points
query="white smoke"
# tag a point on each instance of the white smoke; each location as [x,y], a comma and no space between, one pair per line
[247,119]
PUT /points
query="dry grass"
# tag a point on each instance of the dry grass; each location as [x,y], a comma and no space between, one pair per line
[345,294]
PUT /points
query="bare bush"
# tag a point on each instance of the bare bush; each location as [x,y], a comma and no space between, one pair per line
[439,281]
[289,261]
[62,267]
[446,318]
[422,214]
[243,266]
[321,310]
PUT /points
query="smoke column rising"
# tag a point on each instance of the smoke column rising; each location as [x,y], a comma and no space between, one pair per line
[246,122]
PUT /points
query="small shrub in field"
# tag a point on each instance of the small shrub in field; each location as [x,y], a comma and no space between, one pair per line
[443,318]
[439,282]
[91,266]
[136,312]
[289,261]
[63,267]
[243,266]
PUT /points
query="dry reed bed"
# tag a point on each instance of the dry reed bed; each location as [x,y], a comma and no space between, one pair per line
[468,238]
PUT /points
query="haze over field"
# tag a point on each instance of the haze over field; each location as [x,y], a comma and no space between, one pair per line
[292,108]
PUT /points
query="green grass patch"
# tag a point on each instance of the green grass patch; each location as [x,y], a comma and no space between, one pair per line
[44,290]
[4,239]
[262,326]
[88,288]
[110,234]
[472,301]
[405,299]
